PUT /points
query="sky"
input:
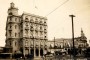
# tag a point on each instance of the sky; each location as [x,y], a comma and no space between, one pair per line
[59,22]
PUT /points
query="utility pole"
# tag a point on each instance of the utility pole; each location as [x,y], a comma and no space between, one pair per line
[54,43]
[73,34]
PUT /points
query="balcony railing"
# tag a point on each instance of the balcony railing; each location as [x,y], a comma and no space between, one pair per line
[36,37]
[32,37]
[11,21]
[36,29]
[27,28]
[26,20]
[26,36]
[41,23]
[31,21]
[10,29]
[41,46]
[37,46]
[36,22]
[41,38]
[45,38]
[41,30]
[45,24]
[45,31]
[32,29]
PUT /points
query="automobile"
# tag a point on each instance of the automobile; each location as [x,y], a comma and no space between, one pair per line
[63,51]
[58,53]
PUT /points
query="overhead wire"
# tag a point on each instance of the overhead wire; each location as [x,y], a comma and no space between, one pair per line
[57,7]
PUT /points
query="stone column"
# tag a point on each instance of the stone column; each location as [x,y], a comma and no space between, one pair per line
[34,49]
[23,48]
[29,47]
[39,48]
[43,50]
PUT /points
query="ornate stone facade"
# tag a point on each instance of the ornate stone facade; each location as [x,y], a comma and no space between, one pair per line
[26,33]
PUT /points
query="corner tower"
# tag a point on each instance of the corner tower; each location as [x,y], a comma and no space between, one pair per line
[12,10]
[12,28]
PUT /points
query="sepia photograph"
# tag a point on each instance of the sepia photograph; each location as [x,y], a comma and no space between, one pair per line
[45,30]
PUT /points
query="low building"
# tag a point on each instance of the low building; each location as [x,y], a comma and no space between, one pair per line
[65,43]
[25,33]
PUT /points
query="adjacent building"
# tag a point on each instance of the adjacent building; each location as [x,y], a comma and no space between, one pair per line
[26,33]
[65,43]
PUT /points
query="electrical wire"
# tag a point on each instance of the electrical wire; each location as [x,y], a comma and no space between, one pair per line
[57,7]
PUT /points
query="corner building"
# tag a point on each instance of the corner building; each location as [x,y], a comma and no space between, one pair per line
[26,33]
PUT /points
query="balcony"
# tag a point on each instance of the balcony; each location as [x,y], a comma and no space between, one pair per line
[36,37]
[41,38]
[45,24]
[10,21]
[26,28]
[26,20]
[31,46]
[37,46]
[36,29]
[45,46]
[41,23]
[41,46]
[45,30]
[31,21]
[32,37]
[45,38]
[41,30]
[32,29]
[26,36]
[31,25]
[10,29]
[36,22]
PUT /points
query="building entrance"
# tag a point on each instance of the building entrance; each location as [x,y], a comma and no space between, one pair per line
[37,52]
[32,52]
[41,52]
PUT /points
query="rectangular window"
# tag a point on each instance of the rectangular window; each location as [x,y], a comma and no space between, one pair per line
[19,34]
[6,33]
[15,26]
[10,43]
[10,32]
[19,20]
[15,43]
[26,31]
[10,18]
[10,26]
[15,34]
[15,19]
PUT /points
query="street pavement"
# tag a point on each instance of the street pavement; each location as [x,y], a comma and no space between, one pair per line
[56,57]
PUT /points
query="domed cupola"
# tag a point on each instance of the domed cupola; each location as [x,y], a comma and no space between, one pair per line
[12,10]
